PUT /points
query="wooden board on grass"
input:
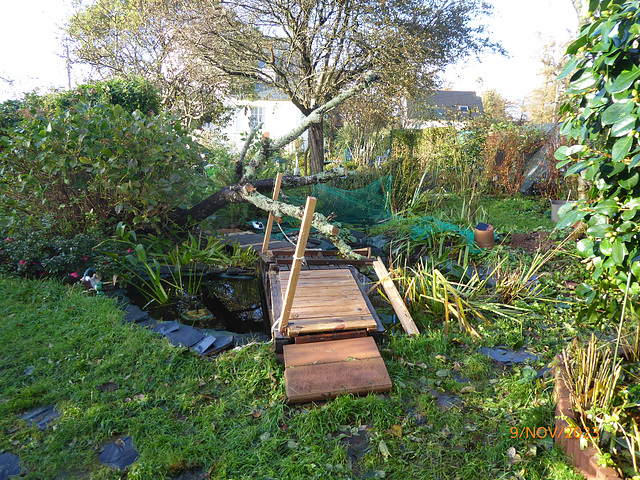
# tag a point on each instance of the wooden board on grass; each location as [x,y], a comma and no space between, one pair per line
[318,371]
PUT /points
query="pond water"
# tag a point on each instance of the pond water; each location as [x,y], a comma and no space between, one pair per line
[233,300]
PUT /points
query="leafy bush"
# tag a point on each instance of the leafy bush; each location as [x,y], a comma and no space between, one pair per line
[36,254]
[441,158]
[131,94]
[603,116]
[98,161]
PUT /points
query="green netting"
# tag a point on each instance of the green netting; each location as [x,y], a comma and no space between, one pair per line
[362,207]
[427,227]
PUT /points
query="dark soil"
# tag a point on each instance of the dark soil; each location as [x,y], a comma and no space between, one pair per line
[531,242]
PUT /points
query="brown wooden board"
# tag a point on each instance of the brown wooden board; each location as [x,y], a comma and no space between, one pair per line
[318,371]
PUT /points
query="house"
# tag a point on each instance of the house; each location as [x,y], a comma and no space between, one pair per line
[269,106]
[441,108]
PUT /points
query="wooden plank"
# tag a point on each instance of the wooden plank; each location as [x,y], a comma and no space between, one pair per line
[325,337]
[305,227]
[332,351]
[267,230]
[276,295]
[324,273]
[319,371]
[394,297]
[331,324]
[334,308]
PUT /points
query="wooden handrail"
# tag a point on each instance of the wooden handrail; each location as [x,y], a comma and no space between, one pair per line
[267,230]
[298,257]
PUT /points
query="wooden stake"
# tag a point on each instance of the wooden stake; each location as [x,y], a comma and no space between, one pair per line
[267,230]
[394,297]
[297,261]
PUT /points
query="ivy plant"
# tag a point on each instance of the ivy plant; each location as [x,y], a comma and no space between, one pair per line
[602,120]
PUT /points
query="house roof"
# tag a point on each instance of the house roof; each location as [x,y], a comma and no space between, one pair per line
[446,105]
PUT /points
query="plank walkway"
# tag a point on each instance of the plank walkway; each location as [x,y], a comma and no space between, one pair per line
[327,300]
[326,342]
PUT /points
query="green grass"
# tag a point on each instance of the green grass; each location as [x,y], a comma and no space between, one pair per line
[229,415]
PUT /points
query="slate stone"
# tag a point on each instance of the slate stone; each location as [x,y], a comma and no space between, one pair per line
[166,327]
[204,344]
[446,400]
[149,322]
[508,357]
[41,417]
[184,335]
[134,314]
[119,454]
[9,465]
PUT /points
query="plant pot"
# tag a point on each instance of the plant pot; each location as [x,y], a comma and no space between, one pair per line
[555,206]
[484,235]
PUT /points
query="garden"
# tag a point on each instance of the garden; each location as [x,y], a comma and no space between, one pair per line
[102,204]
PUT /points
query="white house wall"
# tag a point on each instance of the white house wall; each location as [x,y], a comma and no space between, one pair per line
[279,118]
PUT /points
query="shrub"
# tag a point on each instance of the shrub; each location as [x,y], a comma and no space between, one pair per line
[98,161]
[603,116]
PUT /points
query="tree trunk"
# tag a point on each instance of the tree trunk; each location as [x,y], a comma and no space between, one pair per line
[316,147]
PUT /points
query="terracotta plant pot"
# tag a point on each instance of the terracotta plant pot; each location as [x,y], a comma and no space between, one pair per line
[484,235]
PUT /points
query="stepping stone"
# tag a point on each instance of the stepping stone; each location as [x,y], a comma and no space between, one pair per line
[41,417]
[10,465]
[508,357]
[119,454]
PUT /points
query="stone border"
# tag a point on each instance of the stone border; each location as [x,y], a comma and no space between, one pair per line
[585,461]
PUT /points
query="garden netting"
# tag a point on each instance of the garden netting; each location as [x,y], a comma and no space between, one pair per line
[358,208]
[370,205]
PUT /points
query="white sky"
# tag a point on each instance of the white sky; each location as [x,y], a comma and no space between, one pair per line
[31,54]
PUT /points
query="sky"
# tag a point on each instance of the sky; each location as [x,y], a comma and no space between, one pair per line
[32,55]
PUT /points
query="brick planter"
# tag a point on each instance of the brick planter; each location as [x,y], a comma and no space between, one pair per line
[585,461]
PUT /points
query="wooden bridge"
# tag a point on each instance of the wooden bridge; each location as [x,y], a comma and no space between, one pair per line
[324,327]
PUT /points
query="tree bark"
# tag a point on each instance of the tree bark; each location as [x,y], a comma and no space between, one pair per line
[316,148]
[233,194]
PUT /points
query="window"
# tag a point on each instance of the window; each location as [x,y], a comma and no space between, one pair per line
[463,108]
[257,116]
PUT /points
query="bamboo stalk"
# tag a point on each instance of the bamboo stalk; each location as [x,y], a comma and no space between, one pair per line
[297,262]
[267,230]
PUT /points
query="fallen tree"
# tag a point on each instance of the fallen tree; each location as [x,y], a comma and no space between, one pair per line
[249,189]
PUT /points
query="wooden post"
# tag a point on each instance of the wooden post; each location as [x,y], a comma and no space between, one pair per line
[267,230]
[394,297]
[298,256]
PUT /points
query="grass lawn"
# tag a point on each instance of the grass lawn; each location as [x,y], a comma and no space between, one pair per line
[228,416]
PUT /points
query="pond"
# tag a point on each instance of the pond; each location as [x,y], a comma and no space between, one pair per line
[233,300]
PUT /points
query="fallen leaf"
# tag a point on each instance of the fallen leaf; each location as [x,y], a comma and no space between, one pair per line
[468,389]
[384,450]
[443,372]
[513,456]
[395,430]
[256,413]
[109,386]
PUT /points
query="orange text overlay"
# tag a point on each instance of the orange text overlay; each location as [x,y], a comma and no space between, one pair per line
[544,432]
